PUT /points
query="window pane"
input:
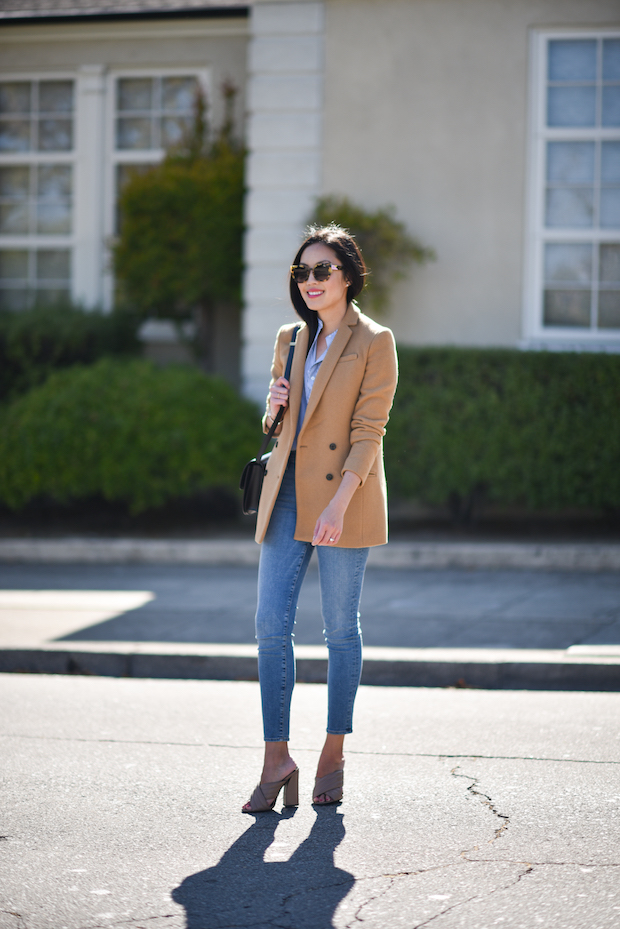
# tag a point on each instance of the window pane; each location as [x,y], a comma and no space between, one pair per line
[570,162]
[174,130]
[135,93]
[567,308]
[14,135]
[568,262]
[610,208]
[133,133]
[572,60]
[14,218]
[124,173]
[611,106]
[55,135]
[610,162]
[47,296]
[53,265]
[14,182]
[609,309]
[54,203]
[15,97]
[56,97]
[609,264]
[611,59]
[53,218]
[178,94]
[13,264]
[570,207]
[571,106]
[54,182]
[14,298]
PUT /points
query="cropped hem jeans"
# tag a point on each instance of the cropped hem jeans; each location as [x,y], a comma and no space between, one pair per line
[283,565]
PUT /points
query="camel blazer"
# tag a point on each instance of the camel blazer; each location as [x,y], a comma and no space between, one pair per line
[343,429]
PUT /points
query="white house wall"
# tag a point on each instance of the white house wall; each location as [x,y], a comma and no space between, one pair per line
[426,108]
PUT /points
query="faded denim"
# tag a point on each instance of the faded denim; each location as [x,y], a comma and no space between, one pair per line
[283,565]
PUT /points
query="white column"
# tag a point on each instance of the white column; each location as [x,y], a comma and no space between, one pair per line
[89,252]
[285,101]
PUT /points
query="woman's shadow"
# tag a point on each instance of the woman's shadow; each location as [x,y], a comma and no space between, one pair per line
[244,890]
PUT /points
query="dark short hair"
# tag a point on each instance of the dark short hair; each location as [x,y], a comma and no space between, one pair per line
[349,256]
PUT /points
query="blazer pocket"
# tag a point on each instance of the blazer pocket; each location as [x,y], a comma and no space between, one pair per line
[347,358]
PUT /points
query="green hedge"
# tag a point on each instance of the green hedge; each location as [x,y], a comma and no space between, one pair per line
[35,342]
[537,429]
[127,431]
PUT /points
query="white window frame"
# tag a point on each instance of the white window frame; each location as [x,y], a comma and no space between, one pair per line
[115,157]
[535,334]
[37,241]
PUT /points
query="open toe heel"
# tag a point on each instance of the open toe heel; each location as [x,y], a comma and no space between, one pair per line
[265,795]
[330,787]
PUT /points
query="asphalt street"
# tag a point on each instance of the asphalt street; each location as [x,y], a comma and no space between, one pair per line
[448,608]
[463,809]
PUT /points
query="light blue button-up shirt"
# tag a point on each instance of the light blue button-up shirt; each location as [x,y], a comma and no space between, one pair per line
[311,369]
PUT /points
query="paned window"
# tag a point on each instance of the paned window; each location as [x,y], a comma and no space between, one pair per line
[576,206]
[36,191]
[151,114]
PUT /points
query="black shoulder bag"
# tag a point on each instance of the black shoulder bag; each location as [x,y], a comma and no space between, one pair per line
[251,482]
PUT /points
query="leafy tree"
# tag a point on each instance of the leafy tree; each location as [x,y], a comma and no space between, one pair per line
[387,247]
[178,255]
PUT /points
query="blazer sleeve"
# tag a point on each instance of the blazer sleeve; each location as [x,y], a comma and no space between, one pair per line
[373,405]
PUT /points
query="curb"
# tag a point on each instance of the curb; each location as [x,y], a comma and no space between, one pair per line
[404,555]
[487,669]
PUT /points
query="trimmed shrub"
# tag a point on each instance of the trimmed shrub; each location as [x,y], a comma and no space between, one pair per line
[127,431]
[537,429]
[35,342]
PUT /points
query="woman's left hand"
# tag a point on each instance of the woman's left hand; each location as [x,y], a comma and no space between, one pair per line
[328,527]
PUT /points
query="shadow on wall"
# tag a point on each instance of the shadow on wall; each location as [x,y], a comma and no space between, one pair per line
[243,889]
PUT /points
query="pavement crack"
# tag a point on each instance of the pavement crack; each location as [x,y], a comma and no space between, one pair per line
[136,922]
[485,799]
[393,878]
[542,864]
[455,906]
[21,922]
[449,756]
[60,738]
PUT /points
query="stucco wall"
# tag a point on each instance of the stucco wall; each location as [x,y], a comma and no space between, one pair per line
[426,108]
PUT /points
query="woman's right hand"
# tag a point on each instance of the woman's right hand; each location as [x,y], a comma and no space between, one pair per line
[278,396]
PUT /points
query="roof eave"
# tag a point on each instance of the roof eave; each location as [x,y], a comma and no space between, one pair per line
[213,12]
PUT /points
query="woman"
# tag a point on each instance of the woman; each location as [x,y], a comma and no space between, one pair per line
[324,489]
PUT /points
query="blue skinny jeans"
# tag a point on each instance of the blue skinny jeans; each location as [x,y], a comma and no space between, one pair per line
[283,565]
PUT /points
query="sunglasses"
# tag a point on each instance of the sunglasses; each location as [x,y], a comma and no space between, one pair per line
[321,271]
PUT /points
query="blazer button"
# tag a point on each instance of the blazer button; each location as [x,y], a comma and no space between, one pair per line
[329,477]
[332,446]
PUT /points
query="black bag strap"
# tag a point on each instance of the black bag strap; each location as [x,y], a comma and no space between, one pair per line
[281,411]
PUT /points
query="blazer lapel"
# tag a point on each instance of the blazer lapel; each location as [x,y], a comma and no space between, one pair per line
[330,361]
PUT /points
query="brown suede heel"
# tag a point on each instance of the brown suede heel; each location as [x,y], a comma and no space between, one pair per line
[265,795]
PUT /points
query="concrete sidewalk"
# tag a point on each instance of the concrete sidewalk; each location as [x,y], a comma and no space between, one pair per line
[498,629]
[546,556]
[121,806]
